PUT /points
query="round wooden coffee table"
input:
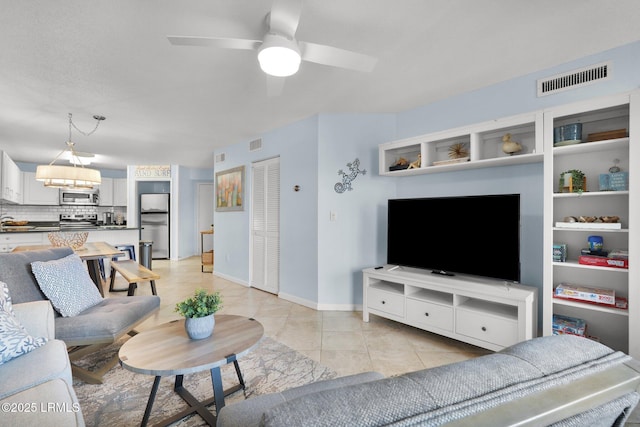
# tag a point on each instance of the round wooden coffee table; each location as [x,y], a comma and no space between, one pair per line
[167,350]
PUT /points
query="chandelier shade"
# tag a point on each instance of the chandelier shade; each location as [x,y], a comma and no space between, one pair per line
[67,176]
[58,176]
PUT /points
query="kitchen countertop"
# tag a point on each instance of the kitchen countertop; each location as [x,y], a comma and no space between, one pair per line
[47,229]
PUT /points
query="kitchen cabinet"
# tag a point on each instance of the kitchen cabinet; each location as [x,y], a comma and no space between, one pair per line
[8,241]
[120,192]
[35,193]
[106,192]
[11,181]
[113,192]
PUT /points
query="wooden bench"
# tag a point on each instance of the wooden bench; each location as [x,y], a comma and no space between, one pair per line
[134,273]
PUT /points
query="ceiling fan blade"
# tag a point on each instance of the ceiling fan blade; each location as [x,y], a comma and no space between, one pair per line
[285,16]
[336,57]
[275,85]
[223,43]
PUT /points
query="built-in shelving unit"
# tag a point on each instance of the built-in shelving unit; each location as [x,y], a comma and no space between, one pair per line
[612,326]
[482,141]
[489,313]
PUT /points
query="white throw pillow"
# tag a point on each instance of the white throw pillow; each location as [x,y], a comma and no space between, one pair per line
[67,284]
[14,338]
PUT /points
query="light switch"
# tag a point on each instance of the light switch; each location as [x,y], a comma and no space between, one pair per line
[333,216]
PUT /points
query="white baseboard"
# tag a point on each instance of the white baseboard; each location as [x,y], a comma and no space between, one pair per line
[339,307]
[231,279]
[320,307]
[298,300]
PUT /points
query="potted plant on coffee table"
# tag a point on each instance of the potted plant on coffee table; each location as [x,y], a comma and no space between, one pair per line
[198,311]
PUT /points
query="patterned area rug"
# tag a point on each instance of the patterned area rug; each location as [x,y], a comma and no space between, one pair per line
[121,400]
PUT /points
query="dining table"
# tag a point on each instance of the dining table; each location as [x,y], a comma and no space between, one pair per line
[90,252]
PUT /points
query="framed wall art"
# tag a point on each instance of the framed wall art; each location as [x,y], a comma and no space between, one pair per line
[230,190]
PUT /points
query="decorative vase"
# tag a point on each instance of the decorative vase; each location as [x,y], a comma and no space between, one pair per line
[199,327]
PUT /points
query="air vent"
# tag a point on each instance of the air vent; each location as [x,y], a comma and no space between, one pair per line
[220,158]
[256,144]
[573,79]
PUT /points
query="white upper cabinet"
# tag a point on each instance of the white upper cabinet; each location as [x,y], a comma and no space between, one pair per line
[113,192]
[35,193]
[11,181]
[120,192]
[106,192]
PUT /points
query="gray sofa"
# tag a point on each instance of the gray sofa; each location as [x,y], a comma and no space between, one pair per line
[36,388]
[92,329]
[558,380]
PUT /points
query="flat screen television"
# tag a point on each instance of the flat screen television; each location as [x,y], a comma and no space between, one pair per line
[475,235]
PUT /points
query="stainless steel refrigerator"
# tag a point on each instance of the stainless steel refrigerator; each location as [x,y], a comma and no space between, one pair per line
[154,223]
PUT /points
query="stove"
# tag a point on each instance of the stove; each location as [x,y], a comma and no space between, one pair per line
[78,220]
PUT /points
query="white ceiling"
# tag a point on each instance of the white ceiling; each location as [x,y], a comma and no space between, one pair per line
[166,104]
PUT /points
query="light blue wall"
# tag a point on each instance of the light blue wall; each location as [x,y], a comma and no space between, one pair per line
[296,145]
[519,95]
[185,191]
[320,259]
[354,240]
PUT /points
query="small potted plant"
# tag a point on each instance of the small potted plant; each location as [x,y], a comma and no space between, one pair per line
[198,311]
[572,181]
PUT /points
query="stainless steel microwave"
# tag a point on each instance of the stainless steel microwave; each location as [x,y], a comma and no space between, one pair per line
[79,197]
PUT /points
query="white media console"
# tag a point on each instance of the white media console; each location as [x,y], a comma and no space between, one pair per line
[489,313]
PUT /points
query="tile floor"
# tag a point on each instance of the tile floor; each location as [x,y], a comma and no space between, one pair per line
[336,339]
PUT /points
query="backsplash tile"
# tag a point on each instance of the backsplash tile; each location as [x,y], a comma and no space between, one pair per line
[52,213]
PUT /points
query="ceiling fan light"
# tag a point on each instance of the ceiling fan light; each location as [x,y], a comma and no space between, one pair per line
[279,56]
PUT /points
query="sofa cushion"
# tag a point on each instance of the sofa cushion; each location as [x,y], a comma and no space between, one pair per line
[15,271]
[67,284]
[106,321]
[248,413]
[446,393]
[14,339]
[42,364]
[51,403]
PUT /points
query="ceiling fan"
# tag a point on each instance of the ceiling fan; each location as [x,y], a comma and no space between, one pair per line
[279,52]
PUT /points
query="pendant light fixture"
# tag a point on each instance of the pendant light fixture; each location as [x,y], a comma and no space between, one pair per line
[76,176]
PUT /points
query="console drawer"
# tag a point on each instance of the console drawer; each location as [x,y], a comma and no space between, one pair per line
[429,314]
[389,302]
[492,329]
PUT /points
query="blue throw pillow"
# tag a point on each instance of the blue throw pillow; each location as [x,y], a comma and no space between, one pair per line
[14,338]
[67,284]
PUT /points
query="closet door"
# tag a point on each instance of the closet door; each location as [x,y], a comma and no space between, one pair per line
[265,225]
